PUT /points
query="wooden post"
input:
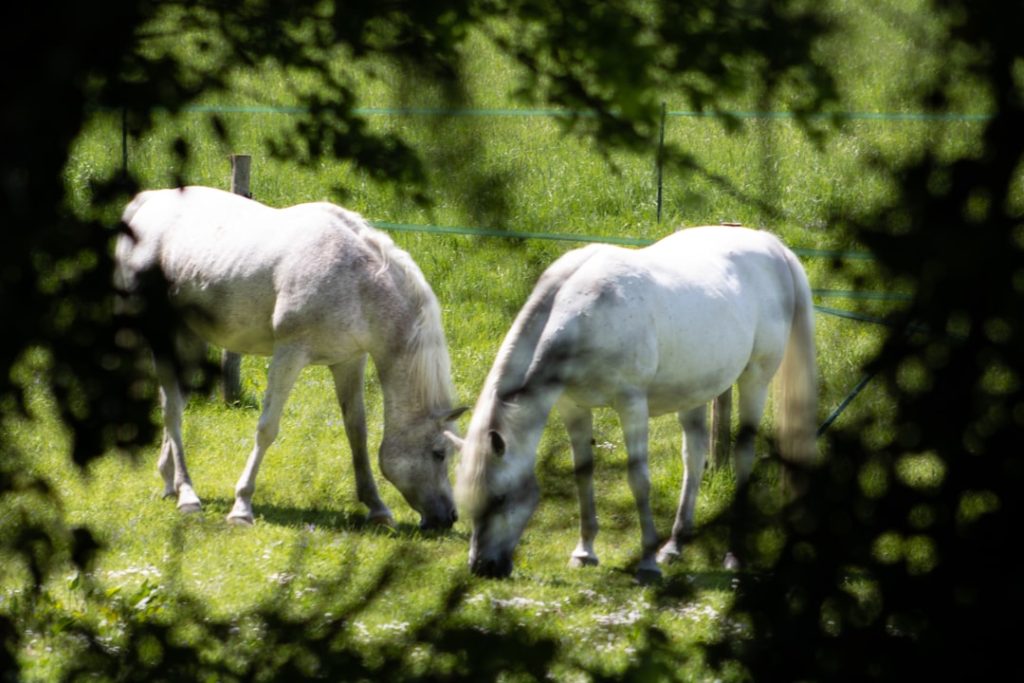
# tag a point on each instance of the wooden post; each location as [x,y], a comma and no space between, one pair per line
[240,166]
[124,143]
[231,363]
[721,429]
[661,157]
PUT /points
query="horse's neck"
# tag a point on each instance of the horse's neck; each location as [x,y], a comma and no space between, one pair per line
[522,353]
[518,352]
[510,403]
[524,382]
[409,348]
[411,388]
[414,368]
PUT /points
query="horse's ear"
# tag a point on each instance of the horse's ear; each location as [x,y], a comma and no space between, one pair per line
[454,439]
[450,415]
[497,443]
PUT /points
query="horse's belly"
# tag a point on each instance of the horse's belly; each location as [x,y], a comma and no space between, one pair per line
[661,398]
[673,398]
[673,378]
[251,338]
[233,320]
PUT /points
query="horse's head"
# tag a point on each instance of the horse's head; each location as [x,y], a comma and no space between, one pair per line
[498,491]
[415,459]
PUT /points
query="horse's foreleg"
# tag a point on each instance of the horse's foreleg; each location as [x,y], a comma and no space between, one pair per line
[284,370]
[633,414]
[579,422]
[166,462]
[348,386]
[172,452]
[695,450]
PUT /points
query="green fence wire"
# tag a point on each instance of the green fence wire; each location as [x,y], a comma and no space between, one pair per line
[632,241]
[569,113]
[573,237]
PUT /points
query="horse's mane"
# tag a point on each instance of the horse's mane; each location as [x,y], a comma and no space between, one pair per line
[431,369]
[509,373]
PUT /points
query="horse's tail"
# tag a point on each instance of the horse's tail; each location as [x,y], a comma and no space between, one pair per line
[125,271]
[797,384]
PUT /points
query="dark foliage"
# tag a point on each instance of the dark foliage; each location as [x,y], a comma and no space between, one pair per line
[883,576]
[831,606]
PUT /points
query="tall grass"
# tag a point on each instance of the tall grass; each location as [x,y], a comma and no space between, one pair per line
[311,546]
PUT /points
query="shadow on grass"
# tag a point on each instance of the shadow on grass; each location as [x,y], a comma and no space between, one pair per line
[330,519]
[165,633]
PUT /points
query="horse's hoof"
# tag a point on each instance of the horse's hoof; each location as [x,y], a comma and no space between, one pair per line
[188,501]
[648,577]
[668,554]
[668,557]
[577,561]
[731,563]
[382,519]
[240,520]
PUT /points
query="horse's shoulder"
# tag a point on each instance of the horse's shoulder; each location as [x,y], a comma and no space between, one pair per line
[572,263]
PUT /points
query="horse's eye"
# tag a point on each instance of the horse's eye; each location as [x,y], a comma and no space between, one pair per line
[438,455]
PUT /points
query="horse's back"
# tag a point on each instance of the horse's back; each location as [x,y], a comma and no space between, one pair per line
[203,228]
[731,271]
[680,319]
[247,273]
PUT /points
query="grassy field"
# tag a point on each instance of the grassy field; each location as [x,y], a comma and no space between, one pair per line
[310,550]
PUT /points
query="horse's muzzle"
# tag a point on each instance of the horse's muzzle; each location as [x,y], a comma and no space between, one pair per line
[439,521]
[500,568]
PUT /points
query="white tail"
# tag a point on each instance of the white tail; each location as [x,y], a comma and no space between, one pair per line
[797,379]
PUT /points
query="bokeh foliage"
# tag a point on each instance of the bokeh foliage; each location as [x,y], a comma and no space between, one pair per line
[880,575]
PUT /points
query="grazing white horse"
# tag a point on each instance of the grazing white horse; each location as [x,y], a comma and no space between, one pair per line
[662,329]
[308,284]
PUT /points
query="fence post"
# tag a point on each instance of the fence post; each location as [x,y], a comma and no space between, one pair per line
[231,363]
[661,156]
[124,143]
[721,429]
[241,164]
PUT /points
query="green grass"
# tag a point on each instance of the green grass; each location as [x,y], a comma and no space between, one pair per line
[311,549]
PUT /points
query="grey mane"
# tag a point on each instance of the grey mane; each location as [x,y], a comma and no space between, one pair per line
[509,372]
[431,372]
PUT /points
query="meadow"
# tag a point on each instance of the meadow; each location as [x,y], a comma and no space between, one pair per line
[311,551]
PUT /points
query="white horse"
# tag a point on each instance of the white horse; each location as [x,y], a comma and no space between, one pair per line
[662,329]
[308,284]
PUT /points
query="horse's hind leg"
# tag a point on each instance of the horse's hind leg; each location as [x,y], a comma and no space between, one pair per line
[695,450]
[753,393]
[579,423]
[172,452]
[634,415]
[285,366]
[348,385]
